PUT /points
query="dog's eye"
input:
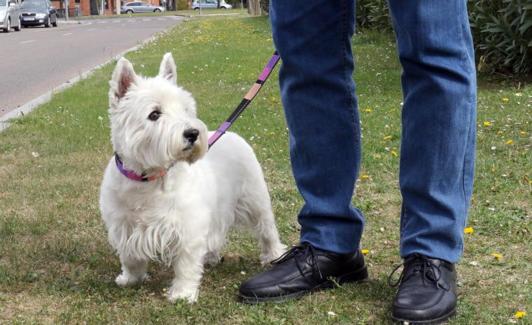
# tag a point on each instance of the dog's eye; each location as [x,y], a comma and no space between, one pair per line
[154,116]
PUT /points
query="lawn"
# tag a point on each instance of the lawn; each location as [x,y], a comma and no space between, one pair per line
[57,267]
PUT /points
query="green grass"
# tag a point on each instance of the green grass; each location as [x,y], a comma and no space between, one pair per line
[57,267]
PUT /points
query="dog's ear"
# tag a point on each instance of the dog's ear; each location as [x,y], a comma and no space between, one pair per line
[123,78]
[167,70]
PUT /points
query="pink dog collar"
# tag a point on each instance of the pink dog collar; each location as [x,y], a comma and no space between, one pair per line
[134,176]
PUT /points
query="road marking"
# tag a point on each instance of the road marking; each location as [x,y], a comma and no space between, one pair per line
[28,41]
[67,34]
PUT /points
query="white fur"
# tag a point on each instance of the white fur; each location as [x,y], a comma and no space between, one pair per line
[182,218]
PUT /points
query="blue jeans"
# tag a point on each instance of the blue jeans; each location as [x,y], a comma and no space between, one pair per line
[435,48]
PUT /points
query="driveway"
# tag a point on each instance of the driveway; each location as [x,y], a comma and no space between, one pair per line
[37,60]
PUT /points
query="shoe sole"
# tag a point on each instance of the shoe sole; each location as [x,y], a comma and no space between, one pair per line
[434,321]
[356,276]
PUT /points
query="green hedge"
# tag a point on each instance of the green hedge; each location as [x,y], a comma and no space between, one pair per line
[373,14]
[502,30]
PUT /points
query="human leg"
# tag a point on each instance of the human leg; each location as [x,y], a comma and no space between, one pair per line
[317,90]
[313,39]
[437,151]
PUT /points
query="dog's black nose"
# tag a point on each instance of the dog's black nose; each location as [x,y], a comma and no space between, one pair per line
[191,135]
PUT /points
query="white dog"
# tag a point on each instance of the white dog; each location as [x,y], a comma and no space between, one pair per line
[163,196]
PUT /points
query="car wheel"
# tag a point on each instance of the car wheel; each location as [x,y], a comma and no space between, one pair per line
[47,22]
[157,10]
[129,12]
[8,27]
[17,29]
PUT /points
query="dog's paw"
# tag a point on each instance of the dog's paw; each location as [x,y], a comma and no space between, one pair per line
[212,259]
[267,257]
[125,280]
[189,295]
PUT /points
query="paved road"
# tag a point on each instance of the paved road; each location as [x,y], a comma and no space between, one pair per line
[36,60]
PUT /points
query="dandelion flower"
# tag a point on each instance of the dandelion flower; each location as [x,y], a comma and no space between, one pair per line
[510,142]
[497,256]
[505,99]
[364,177]
[364,251]
[394,153]
[368,110]
[520,314]
[487,123]
[468,230]
[388,137]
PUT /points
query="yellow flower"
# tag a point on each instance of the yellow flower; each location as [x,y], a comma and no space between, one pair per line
[388,137]
[487,123]
[497,256]
[520,314]
[394,153]
[364,251]
[522,133]
[510,142]
[468,230]
[364,176]
[367,110]
[505,99]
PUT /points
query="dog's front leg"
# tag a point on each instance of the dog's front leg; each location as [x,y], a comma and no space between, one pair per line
[133,271]
[188,268]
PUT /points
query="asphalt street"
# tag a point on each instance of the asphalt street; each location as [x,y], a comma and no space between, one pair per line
[37,60]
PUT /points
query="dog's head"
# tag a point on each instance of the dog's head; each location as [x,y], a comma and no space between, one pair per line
[153,121]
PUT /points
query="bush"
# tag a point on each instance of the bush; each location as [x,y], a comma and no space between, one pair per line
[373,14]
[502,30]
[503,35]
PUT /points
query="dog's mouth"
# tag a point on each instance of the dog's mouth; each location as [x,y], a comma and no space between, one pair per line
[188,147]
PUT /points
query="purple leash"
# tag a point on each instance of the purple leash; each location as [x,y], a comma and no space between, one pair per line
[253,91]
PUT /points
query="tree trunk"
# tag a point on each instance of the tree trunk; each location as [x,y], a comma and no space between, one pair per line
[254,7]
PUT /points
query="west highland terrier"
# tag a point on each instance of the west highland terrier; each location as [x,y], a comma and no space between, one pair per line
[163,196]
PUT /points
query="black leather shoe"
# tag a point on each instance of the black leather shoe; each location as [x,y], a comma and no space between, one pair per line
[301,270]
[427,291]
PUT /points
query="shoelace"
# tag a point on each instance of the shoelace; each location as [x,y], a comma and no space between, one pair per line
[301,250]
[418,265]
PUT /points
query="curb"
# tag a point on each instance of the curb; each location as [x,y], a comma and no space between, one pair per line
[28,107]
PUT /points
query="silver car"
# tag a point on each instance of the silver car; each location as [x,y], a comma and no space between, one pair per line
[138,6]
[9,15]
[210,4]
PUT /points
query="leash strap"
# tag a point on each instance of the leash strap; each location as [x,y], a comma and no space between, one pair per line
[253,91]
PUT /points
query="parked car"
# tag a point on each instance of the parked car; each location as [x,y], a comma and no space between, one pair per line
[9,15]
[38,12]
[137,6]
[210,4]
